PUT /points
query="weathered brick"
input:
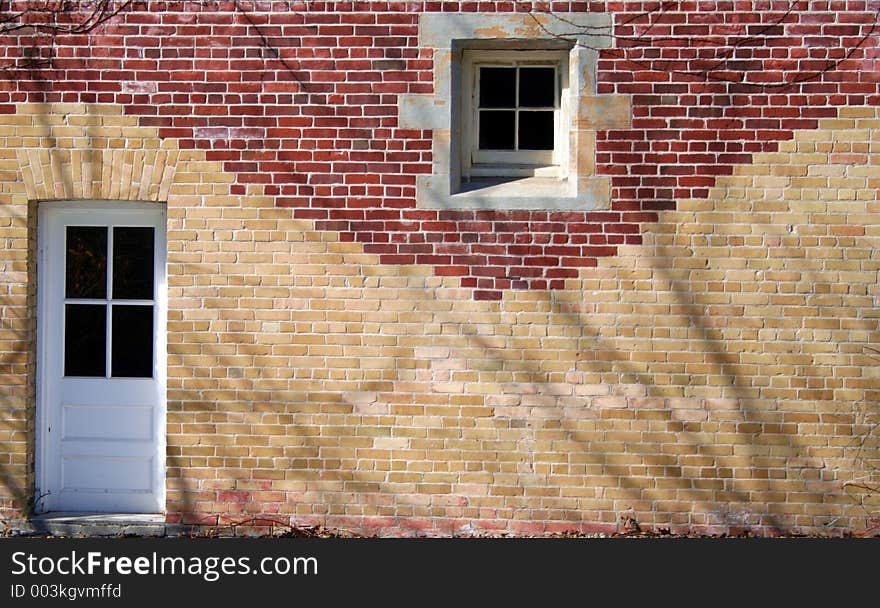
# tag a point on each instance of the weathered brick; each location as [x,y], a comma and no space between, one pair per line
[340,357]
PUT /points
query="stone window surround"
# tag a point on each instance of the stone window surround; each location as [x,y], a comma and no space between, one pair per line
[448,34]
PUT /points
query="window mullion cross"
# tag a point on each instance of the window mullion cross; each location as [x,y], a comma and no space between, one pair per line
[516,108]
[109,325]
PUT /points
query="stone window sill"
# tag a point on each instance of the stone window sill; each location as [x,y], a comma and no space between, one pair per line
[585,194]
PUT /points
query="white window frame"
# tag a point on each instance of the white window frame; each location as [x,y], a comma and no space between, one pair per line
[514,163]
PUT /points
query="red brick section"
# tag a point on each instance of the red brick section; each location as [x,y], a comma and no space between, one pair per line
[302,97]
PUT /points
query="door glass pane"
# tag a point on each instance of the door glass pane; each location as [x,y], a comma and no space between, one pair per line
[132,354]
[86,262]
[85,339]
[536,130]
[497,87]
[537,87]
[497,130]
[133,263]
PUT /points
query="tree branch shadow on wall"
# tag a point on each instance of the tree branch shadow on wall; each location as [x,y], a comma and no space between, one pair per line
[21,488]
[735,510]
[37,78]
[341,487]
[350,486]
[729,498]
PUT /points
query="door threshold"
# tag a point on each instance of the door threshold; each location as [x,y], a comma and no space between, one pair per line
[72,523]
[106,518]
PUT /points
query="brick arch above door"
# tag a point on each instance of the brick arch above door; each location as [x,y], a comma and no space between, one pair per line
[117,174]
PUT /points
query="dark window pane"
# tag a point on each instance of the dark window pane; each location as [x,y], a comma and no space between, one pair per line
[536,130]
[132,353]
[537,87]
[497,87]
[496,130]
[86,262]
[85,339]
[133,263]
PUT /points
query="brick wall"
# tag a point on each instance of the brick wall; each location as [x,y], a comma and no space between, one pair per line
[302,98]
[338,356]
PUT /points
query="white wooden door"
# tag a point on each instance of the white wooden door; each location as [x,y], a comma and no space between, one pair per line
[101,363]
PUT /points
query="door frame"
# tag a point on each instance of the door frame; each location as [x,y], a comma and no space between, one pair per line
[88,209]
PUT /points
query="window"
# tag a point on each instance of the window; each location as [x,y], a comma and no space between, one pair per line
[513,114]
[514,111]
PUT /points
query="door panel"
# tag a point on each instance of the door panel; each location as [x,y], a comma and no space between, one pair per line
[101,322]
[85,423]
[91,473]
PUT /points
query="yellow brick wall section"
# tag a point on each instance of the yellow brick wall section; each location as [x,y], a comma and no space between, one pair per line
[716,378]
[16,326]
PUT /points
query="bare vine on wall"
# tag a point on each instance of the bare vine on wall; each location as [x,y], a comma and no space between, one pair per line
[654,38]
[663,38]
[40,25]
[43,22]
